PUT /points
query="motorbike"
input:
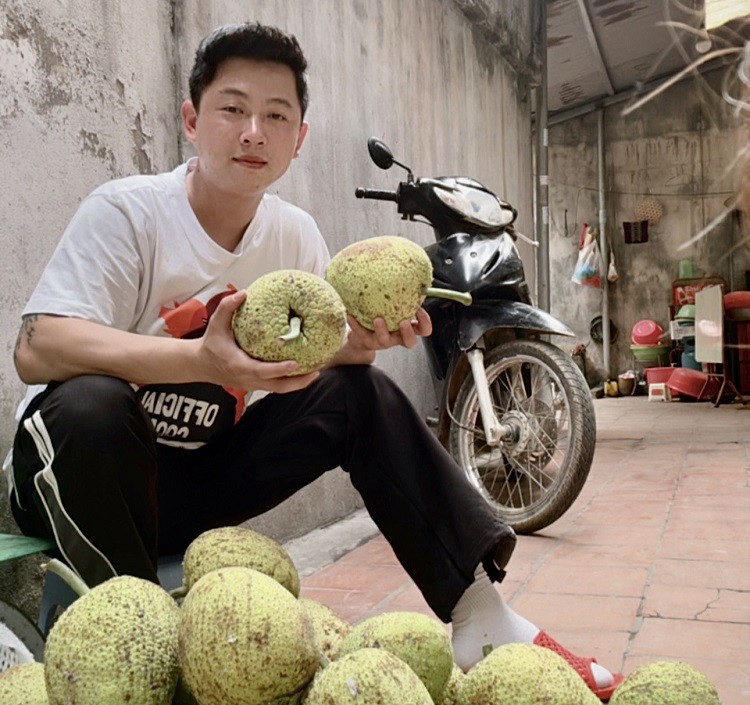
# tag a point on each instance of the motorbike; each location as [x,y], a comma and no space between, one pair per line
[513,410]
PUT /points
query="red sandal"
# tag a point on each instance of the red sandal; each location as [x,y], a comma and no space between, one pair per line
[581,665]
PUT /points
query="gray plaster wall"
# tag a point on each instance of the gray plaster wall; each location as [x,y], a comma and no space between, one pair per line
[90,90]
[680,148]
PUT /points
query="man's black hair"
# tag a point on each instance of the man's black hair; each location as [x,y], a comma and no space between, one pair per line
[247,40]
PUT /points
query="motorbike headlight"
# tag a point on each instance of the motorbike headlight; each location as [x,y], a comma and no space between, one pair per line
[476,205]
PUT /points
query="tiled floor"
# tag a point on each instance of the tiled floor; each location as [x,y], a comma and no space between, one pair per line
[651,562]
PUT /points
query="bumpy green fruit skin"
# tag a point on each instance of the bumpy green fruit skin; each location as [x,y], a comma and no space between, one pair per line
[381,277]
[524,674]
[666,683]
[329,628]
[116,644]
[449,696]
[244,640]
[272,300]
[367,677]
[238,546]
[23,685]
[420,641]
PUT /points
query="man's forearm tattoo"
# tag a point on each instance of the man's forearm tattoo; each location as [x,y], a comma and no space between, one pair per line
[28,328]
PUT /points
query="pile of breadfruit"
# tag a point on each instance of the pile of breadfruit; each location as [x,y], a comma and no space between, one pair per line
[238,633]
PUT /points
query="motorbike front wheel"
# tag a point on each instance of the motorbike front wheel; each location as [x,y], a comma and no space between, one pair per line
[532,478]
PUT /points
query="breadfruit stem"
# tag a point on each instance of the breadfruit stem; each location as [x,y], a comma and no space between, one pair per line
[462,297]
[59,568]
[295,326]
[178,592]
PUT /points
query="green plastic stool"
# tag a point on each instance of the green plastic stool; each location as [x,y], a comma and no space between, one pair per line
[57,594]
[14,546]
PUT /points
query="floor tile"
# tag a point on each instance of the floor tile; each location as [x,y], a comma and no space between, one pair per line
[709,549]
[676,574]
[699,603]
[692,639]
[574,578]
[592,613]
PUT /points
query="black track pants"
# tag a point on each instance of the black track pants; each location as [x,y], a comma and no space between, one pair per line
[88,470]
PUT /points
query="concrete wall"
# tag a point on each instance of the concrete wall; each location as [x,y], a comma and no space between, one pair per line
[91,91]
[681,148]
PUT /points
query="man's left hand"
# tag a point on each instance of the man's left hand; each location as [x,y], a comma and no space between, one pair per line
[407,335]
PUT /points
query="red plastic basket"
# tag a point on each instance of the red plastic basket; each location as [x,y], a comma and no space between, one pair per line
[693,383]
[656,375]
[646,332]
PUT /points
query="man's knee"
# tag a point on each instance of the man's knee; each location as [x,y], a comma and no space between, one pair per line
[369,392]
[96,405]
[365,379]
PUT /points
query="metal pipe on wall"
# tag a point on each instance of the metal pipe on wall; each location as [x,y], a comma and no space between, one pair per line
[541,183]
[603,246]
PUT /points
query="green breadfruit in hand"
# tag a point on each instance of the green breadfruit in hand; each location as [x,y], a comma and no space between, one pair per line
[115,644]
[291,315]
[666,683]
[524,674]
[384,277]
[367,677]
[238,546]
[23,685]
[420,641]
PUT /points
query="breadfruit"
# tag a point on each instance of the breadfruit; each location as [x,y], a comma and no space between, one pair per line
[244,640]
[384,277]
[238,546]
[524,674]
[23,685]
[291,315]
[367,677]
[420,641]
[116,644]
[449,696]
[329,628]
[666,683]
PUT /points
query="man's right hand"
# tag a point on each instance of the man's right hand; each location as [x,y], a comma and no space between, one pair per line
[229,365]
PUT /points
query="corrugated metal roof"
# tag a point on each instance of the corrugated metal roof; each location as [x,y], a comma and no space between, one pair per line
[598,48]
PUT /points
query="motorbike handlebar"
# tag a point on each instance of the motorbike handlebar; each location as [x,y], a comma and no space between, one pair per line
[376,195]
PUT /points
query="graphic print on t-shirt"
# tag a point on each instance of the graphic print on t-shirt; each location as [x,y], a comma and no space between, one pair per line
[191,413]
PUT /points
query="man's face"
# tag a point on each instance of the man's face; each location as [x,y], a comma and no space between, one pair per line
[248,127]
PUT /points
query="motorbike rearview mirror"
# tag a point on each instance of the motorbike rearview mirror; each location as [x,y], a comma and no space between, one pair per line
[381,154]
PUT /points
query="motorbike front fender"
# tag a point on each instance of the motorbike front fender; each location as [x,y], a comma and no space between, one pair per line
[477,319]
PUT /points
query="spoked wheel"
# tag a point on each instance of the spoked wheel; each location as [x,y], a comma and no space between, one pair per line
[20,640]
[533,476]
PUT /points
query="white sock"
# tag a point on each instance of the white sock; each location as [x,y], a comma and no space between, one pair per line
[481,619]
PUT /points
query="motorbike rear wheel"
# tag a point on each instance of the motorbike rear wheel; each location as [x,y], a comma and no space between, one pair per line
[532,479]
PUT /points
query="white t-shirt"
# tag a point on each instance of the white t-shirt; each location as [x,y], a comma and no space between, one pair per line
[135,257]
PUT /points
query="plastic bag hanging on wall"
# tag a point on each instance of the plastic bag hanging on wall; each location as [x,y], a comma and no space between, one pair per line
[612,274]
[588,269]
[636,231]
